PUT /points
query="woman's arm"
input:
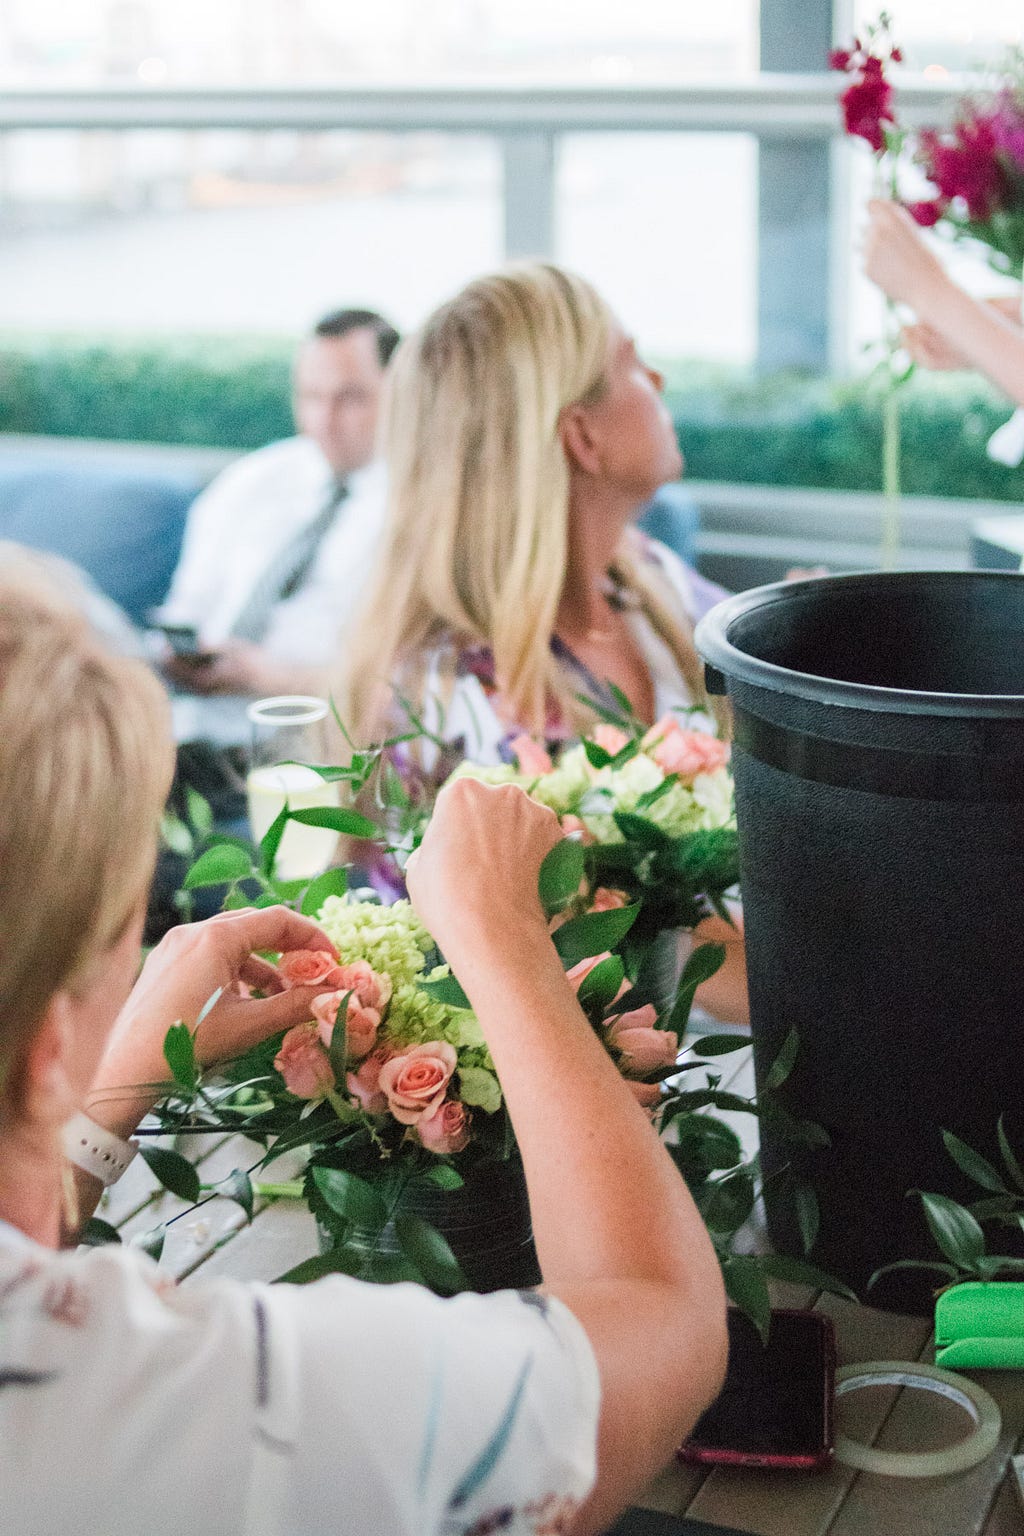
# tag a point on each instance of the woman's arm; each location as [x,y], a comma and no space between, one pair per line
[899,261]
[618,1237]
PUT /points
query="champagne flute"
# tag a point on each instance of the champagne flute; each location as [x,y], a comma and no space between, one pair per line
[288,733]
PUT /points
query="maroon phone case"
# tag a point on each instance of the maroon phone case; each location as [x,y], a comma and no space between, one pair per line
[802,1461]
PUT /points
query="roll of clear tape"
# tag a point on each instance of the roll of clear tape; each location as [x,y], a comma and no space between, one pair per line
[974,1400]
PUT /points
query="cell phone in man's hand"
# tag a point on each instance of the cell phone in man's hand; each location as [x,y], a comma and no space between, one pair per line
[183,640]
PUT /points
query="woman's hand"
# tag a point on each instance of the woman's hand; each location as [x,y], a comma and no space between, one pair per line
[177,981]
[474,877]
[897,258]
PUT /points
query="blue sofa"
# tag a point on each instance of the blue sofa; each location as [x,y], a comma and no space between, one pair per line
[120,515]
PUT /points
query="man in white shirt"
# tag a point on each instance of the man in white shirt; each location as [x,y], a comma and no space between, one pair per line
[272,546]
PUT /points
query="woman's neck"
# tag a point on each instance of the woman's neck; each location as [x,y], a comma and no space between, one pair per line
[598,519]
[31,1183]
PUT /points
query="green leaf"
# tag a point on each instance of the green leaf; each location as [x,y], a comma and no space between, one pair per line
[973,1164]
[597,757]
[346,823]
[199,811]
[180,1055]
[446,990]
[560,874]
[151,1242]
[219,865]
[174,1172]
[443,1175]
[808,1214]
[637,829]
[584,937]
[601,985]
[701,963]
[726,1203]
[1013,1167]
[708,1143]
[784,1062]
[337,1051]
[333,882]
[954,1229]
[779,1266]
[238,1187]
[339,1260]
[176,836]
[351,1197]
[270,842]
[719,1045]
[210,1004]
[995,1205]
[424,1246]
[949,1270]
[97,1232]
[621,700]
[747,1288]
[991,1264]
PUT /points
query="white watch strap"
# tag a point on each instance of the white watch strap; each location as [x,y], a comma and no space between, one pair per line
[96,1151]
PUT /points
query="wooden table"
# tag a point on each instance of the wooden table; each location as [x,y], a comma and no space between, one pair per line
[217,1240]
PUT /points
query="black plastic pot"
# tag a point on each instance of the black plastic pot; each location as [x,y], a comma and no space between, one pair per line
[879,763]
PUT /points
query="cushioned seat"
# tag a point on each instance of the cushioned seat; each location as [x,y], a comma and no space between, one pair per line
[117,518]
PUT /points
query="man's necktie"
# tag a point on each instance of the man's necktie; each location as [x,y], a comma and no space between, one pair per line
[287,571]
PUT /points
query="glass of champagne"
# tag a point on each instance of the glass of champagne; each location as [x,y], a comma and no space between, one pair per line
[288,733]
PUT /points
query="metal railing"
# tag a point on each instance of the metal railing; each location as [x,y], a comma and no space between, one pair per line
[793,117]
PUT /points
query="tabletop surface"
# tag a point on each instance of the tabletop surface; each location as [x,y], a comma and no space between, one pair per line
[216,1239]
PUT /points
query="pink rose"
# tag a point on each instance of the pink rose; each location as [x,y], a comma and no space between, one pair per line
[415,1081]
[604,900]
[447,1129]
[361,1023]
[364,1084]
[309,967]
[683,752]
[582,969]
[642,1048]
[570,823]
[610,738]
[531,757]
[304,1064]
[648,1095]
[372,989]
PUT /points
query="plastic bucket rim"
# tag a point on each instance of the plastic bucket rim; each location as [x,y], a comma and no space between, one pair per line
[711,640]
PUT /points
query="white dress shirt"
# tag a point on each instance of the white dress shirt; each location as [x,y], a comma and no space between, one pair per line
[238,527]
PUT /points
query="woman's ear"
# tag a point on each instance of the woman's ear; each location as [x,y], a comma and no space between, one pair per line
[579,440]
[46,1087]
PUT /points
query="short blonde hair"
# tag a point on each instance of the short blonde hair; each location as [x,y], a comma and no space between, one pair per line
[85,765]
[478,488]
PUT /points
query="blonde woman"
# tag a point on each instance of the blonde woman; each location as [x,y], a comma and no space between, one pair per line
[228,1409]
[524,435]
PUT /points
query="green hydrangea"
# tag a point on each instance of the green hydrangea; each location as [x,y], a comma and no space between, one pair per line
[391,939]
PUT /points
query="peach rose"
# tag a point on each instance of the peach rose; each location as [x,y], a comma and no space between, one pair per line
[642,1048]
[582,969]
[304,1064]
[361,1023]
[647,1095]
[364,1083]
[531,757]
[604,900]
[415,1081]
[570,823]
[610,738]
[372,989]
[447,1129]
[686,753]
[309,967]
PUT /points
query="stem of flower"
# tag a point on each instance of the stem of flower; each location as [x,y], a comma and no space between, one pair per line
[891,474]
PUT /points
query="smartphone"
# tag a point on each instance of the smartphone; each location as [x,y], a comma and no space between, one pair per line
[183,640]
[776,1408]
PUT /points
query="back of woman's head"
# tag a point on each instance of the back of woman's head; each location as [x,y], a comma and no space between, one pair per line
[84,769]
[478,479]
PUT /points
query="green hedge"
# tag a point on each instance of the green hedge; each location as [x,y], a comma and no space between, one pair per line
[215,392]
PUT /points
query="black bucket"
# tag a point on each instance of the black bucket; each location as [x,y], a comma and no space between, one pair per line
[879,763]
